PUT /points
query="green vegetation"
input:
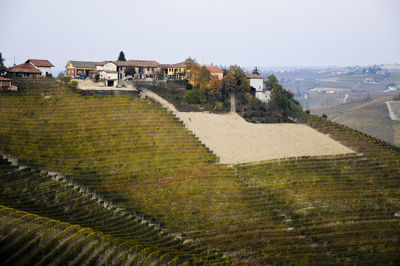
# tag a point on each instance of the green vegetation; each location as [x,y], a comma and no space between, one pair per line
[195,96]
[371,117]
[281,108]
[121,56]
[137,182]
[28,239]
[396,97]
[213,95]
[2,66]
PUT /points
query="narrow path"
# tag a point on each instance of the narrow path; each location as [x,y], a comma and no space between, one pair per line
[391,106]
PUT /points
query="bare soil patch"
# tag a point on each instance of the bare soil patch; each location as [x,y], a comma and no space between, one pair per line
[235,140]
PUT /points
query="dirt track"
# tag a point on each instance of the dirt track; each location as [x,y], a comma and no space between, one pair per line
[234,140]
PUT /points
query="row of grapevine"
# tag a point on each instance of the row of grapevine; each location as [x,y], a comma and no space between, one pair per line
[348,205]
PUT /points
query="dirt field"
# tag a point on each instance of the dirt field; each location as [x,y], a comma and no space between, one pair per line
[234,140]
[394,109]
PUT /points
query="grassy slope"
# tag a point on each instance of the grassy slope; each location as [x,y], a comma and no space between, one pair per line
[138,155]
[371,117]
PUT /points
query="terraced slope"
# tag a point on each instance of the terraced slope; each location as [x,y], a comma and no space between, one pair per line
[122,152]
[28,239]
[348,205]
[57,199]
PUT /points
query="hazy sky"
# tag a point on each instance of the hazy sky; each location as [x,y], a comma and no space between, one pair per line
[247,33]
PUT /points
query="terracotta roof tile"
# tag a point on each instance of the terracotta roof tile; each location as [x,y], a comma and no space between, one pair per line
[4,79]
[24,68]
[254,76]
[214,69]
[40,62]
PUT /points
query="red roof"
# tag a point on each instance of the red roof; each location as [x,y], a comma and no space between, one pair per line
[253,76]
[214,69]
[4,79]
[40,62]
[24,68]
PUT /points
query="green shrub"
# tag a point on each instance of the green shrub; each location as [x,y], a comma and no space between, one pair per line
[73,84]
[195,96]
[189,86]
[66,79]
[218,106]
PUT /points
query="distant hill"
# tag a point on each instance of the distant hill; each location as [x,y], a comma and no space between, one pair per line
[371,117]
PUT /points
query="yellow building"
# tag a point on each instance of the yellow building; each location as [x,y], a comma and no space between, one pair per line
[77,68]
[175,71]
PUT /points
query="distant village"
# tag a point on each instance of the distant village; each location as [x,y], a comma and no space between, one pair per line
[112,74]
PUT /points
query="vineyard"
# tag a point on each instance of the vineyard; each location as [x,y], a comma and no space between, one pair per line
[119,180]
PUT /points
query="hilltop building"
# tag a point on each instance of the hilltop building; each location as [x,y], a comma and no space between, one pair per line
[138,69]
[256,82]
[216,72]
[175,71]
[77,68]
[43,65]
[107,71]
[25,70]
[5,83]
[257,87]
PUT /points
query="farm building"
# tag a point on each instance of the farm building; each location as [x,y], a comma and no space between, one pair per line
[216,72]
[175,71]
[5,83]
[107,71]
[138,69]
[25,70]
[256,82]
[77,68]
[43,65]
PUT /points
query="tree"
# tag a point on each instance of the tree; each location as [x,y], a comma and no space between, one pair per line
[192,71]
[282,98]
[130,71]
[2,67]
[196,96]
[270,82]
[190,62]
[61,74]
[121,56]
[214,85]
[256,71]
[159,75]
[235,80]
[203,77]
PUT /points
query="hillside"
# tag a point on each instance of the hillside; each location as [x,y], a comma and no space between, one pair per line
[235,140]
[129,169]
[371,117]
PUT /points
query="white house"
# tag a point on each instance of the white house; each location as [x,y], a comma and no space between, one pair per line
[256,82]
[257,85]
[107,71]
[43,65]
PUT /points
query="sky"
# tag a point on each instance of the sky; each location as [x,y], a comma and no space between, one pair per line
[223,32]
